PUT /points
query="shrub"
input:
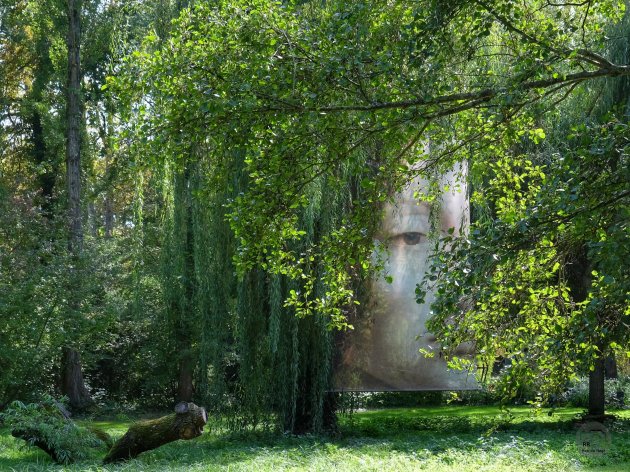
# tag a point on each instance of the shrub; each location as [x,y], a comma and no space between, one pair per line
[44,425]
[617,391]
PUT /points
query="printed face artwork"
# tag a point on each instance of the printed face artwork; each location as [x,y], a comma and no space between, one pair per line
[382,353]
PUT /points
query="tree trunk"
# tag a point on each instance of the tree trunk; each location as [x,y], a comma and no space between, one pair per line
[109,212]
[92,219]
[72,377]
[185,386]
[331,404]
[184,308]
[73,136]
[579,276]
[72,384]
[610,367]
[186,423]
[596,397]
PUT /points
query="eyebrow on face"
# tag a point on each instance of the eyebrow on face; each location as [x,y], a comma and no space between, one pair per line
[411,206]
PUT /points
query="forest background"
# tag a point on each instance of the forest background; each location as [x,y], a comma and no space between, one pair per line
[189,193]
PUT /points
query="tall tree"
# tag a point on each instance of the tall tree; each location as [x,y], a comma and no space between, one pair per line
[72,375]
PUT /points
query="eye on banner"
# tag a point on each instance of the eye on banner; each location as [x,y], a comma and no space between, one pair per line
[383,351]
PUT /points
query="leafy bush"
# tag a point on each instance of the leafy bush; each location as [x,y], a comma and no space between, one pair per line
[617,395]
[44,425]
[403,399]
[617,391]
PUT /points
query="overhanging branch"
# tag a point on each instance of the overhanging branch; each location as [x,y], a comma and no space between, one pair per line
[462,100]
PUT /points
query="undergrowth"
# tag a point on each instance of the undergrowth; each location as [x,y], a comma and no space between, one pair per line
[447,438]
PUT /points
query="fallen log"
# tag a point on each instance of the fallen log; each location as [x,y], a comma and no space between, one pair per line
[186,423]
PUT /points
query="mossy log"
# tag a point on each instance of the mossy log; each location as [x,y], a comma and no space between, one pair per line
[186,423]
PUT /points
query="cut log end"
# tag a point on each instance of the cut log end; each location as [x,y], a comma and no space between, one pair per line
[181,408]
[187,423]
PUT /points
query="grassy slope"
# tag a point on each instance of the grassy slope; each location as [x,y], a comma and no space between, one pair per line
[434,439]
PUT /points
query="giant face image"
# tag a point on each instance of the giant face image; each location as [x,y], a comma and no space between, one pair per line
[383,353]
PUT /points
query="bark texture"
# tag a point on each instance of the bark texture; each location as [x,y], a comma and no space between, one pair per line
[72,383]
[185,387]
[579,277]
[182,309]
[72,377]
[596,396]
[186,423]
[73,132]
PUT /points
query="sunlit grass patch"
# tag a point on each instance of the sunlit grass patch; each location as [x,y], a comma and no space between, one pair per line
[436,439]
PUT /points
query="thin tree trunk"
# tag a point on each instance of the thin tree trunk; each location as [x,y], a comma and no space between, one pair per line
[185,387]
[579,274]
[109,211]
[92,219]
[72,377]
[596,396]
[183,333]
[73,137]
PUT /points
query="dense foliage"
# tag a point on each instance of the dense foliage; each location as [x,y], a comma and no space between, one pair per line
[235,159]
[43,424]
[541,277]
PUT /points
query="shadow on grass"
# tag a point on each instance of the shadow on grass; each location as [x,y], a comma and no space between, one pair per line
[443,440]
[457,420]
[378,439]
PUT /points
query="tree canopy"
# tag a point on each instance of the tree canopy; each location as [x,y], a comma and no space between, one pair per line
[239,154]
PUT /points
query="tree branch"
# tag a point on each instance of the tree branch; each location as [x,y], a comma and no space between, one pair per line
[478,97]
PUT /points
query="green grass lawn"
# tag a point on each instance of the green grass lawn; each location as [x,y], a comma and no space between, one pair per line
[433,439]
